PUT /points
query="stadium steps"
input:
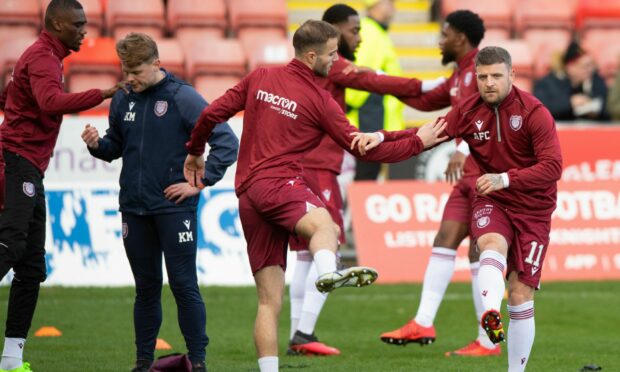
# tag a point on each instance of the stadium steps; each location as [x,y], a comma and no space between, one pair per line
[414,36]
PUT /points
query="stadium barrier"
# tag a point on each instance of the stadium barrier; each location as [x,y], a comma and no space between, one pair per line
[84,245]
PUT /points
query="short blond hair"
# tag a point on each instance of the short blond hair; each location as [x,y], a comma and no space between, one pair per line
[136,48]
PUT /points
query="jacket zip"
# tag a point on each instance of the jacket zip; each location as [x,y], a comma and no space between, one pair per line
[499,132]
[141,212]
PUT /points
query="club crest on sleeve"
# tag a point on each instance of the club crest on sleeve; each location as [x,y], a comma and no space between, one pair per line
[483,222]
[125,230]
[160,108]
[28,189]
[516,121]
[468,78]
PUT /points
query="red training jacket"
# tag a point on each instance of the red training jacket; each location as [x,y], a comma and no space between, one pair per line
[34,101]
[286,115]
[328,155]
[518,137]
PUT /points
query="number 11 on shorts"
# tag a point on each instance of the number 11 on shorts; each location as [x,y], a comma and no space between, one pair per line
[530,258]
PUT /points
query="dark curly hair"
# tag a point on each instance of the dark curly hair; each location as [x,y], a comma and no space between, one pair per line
[469,23]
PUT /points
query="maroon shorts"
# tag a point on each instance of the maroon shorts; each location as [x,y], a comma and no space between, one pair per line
[459,205]
[324,184]
[269,211]
[527,236]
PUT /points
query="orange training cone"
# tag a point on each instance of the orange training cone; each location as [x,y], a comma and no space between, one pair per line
[48,332]
[162,345]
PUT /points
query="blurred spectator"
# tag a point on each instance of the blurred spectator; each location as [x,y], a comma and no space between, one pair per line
[368,111]
[613,101]
[574,90]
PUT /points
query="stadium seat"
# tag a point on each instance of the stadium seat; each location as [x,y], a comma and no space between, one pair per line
[268,53]
[544,14]
[197,14]
[10,52]
[524,83]
[93,10]
[496,35]
[123,17]
[251,36]
[20,18]
[213,86]
[595,39]
[171,56]
[215,57]
[253,13]
[95,66]
[522,57]
[546,44]
[495,13]
[597,13]
[188,35]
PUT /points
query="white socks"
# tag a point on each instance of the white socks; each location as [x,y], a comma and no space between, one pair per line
[521,332]
[13,353]
[312,303]
[297,288]
[436,279]
[268,364]
[325,261]
[491,279]
[483,339]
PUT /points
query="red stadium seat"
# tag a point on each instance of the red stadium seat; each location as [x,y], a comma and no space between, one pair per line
[545,14]
[212,87]
[171,56]
[270,53]
[595,39]
[597,13]
[495,13]
[9,54]
[95,66]
[215,57]
[545,44]
[253,13]
[20,18]
[496,35]
[93,10]
[251,36]
[197,14]
[524,83]
[123,17]
[188,35]
[522,57]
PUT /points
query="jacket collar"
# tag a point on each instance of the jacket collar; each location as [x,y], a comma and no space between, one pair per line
[58,48]
[468,59]
[300,68]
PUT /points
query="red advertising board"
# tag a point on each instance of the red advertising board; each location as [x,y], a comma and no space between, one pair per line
[395,222]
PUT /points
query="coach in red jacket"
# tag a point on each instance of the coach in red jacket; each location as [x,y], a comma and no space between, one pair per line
[513,139]
[286,115]
[33,103]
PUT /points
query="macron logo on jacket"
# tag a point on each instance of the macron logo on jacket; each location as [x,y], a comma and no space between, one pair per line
[284,105]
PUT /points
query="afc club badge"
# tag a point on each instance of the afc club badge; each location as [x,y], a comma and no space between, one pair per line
[468,78]
[28,189]
[516,121]
[125,230]
[160,108]
[483,222]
